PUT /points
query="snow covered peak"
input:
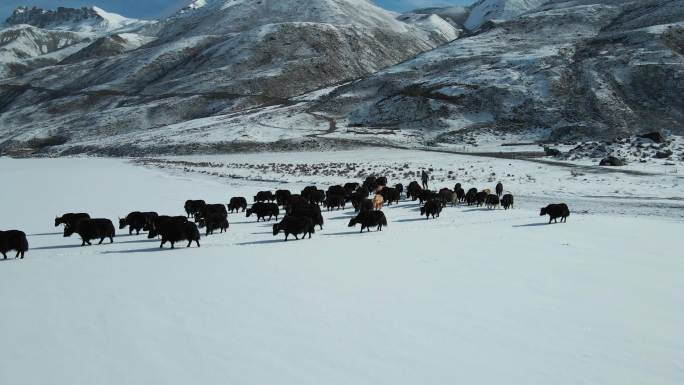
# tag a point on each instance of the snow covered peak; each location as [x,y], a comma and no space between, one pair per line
[213,17]
[485,10]
[86,19]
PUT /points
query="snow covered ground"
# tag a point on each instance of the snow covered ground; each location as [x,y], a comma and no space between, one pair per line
[476,296]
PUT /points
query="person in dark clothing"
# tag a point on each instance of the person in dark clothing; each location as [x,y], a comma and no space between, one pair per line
[424,176]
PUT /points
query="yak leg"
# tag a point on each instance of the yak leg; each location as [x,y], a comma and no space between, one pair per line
[101,240]
[163,241]
[4,256]
[197,242]
[111,239]
[173,244]
[189,243]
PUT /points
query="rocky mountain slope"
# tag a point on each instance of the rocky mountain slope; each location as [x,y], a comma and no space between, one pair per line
[568,70]
[273,75]
[86,19]
[212,57]
[485,10]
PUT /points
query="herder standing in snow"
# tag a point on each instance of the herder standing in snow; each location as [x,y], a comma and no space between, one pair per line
[424,177]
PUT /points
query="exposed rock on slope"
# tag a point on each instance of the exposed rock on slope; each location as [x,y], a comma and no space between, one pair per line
[210,58]
[485,10]
[569,70]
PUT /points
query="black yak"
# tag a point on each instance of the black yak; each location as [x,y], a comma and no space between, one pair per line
[381,181]
[237,204]
[400,188]
[210,209]
[150,216]
[555,211]
[263,210]
[390,195]
[481,197]
[426,195]
[193,207]
[460,194]
[70,219]
[295,226]
[369,219]
[309,210]
[216,221]
[507,201]
[174,230]
[471,196]
[370,183]
[13,240]
[264,196]
[161,219]
[282,197]
[413,190]
[446,196]
[432,207]
[492,201]
[335,202]
[350,187]
[135,221]
[90,229]
[336,190]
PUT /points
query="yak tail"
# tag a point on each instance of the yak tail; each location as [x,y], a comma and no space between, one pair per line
[24,246]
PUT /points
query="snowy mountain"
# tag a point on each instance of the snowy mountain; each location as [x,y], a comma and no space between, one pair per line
[567,70]
[221,76]
[212,57]
[33,38]
[86,19]
[486,10]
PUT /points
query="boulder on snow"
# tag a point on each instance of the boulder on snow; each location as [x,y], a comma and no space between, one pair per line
[612,161]
[552,151]
[655,136]
[663,154]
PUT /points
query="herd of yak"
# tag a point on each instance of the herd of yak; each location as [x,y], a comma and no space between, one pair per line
[302,212]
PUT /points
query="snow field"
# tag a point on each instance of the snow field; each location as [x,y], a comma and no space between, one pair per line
[474,296]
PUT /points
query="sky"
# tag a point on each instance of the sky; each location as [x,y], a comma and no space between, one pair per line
[158,8]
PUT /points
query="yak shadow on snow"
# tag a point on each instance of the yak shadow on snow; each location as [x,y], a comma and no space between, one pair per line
[242,222]
[139,241]
[44,234]
[133,251]
[411,220]
[477,209]
[345,233]
[57,247]
[343,217]
[533,224]
[266,242]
